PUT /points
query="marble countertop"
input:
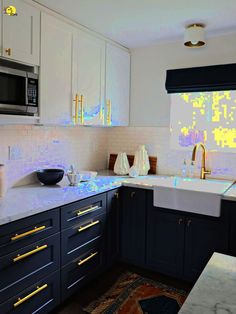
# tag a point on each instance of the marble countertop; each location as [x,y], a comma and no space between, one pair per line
[21,202]
[215,290]
[230,195]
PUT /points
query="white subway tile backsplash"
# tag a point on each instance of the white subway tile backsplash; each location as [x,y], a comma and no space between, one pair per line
[88,149]
[51,147]
[157,141]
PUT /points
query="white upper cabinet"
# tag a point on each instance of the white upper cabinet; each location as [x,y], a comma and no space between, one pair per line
[21,33]
[117,86]
[56,99]
[89,74]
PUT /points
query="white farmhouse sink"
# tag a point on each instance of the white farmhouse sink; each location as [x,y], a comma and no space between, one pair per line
[190,195]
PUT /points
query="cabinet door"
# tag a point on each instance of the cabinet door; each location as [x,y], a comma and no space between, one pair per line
[204,236]
[165,240]
[21,33]
[133,226]
[230,208]
[56,71]
[117,86]
[113,225]
[90,78]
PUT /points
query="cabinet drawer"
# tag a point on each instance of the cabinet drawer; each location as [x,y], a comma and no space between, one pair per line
[19,269]
[75,238]
[75,274]
[41,297]
[20,233]
[74,213]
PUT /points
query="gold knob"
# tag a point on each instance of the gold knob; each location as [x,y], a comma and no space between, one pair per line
[132,194]
[189,222]
[8,51]
[180,221]
[116,195]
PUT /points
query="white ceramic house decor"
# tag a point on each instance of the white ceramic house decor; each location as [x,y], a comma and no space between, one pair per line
[141,161]
[121,166]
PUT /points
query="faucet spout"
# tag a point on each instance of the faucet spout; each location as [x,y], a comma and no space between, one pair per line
[203,166]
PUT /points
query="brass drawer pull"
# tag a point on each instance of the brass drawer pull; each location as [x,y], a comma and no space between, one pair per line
[108,112]
[90,209]
[88,226]
[81,102]
[180,221]
[22,235]
[20,301]
[76,116]
[37,249]
[8,51]
[81,262]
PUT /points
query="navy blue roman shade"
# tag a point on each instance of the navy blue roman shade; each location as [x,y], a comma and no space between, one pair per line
[199,79]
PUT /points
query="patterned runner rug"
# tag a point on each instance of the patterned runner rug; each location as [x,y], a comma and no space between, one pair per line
[133,294]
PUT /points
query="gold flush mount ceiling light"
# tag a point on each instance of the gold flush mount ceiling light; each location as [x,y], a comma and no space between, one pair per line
[194,36]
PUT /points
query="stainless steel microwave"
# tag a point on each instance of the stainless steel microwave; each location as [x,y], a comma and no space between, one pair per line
[18,92]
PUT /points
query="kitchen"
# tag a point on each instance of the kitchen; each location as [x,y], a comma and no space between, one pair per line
[83,117]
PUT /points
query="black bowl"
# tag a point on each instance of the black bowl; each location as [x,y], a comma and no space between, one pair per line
[50,176]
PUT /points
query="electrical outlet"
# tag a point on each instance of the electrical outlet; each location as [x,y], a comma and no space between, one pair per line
[14,152]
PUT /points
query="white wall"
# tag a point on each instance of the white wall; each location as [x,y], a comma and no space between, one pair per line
[150,103]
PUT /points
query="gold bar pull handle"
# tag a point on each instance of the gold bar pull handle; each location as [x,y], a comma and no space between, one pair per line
[39,289]
[81,102]
[22,235]
[37,249]
[89,225]
[108,112]
[76,111]
[90,209]
[82,261]
[8,51]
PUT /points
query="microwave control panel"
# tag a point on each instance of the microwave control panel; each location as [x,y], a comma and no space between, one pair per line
[32,91]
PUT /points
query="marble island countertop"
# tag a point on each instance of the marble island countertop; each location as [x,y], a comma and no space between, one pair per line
[215,290]
[21,202]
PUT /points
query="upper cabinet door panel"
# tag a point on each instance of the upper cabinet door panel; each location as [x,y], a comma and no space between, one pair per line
[90,68]
[56,71]
[21,33]
[117,85]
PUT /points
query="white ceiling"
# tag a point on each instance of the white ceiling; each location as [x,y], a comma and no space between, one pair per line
[135,23]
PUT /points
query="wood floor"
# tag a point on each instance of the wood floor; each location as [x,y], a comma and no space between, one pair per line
[104,282]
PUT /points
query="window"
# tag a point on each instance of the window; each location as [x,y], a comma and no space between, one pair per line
[207,117]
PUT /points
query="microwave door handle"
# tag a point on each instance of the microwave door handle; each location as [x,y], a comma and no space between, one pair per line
[26,91]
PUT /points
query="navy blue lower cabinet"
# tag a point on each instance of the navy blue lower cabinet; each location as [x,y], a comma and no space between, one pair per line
[204,236]
[113,225]
[20,233]
[74,213]
[41,297]
[74,239]
[165,240]
[81,270]
[230,207]
[31,263]
[133,226]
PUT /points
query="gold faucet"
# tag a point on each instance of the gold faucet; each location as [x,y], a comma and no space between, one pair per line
[203,167]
